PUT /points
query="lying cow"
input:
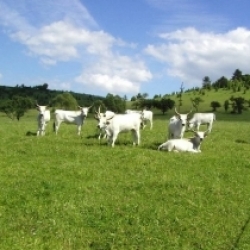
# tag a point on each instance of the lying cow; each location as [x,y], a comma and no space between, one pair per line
[43,119]
[121,123]
[177,125]
[200,119]
[185,145]
[71,117]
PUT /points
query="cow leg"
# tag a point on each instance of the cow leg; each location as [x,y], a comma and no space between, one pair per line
[151,124]
[198,126]
[79,130]
[113,139]
[209,127]
[56,126]
[138,136]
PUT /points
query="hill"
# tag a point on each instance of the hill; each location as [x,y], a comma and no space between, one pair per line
[43,95]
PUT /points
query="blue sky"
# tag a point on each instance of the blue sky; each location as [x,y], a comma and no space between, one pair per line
[122,47]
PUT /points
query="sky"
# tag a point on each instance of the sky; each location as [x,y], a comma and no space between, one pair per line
[122,47]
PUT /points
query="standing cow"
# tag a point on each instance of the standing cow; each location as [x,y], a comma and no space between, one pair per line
[148,116]
[200,119]
[106,114]
[177,125]
[121,123]
[71,117]
[43,119]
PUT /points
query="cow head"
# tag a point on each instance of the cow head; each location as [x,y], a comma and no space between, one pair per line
[103,119]
[84,110]
[41,109]
[182,117]
[200,134]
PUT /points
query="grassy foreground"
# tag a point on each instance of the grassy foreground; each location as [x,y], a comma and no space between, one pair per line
[69,192]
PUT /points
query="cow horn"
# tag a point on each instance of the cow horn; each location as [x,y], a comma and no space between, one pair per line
[91,106]
[99,109]
[110,118]
[176,111]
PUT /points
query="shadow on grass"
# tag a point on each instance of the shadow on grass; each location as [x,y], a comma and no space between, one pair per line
[153,146]
[241,141]
[92,136]
[29,133]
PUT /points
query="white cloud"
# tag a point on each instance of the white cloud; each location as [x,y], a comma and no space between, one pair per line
[116,74]
[63,36]
[190,55]
[62,41]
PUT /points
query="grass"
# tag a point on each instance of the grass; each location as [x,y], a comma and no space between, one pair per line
[70,192]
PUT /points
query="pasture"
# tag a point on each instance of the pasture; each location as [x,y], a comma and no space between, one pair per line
[71,192]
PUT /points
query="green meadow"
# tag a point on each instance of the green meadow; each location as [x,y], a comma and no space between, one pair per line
[71,192]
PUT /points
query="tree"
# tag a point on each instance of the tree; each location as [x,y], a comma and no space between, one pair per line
[221,83]
[226,105]
[146,103]
[237,104]
[206,84]
[16,107]
[237,75]
[115,103]
[65,101]
[179,95]
[196,102]
[215,105]
[164,104]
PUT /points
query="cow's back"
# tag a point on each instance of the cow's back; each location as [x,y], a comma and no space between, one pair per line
[66,115]
[126,122]
[204,117]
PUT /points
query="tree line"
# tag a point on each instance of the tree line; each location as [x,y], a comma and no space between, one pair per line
[16,101]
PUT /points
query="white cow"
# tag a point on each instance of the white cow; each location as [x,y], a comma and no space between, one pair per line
[185,145]
[108,114]
[131,111]
[121,123]
[71,117]
[148,116]
[201,118]
[177,125]
[43,119]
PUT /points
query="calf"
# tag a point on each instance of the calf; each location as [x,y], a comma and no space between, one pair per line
[71,117]
[185,145]
[43,119]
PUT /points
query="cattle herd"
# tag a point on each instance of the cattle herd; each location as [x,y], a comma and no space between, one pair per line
[111,124]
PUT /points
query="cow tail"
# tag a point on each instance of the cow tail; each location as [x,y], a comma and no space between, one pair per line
[54,126]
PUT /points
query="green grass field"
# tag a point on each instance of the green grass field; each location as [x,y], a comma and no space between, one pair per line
[70,192]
